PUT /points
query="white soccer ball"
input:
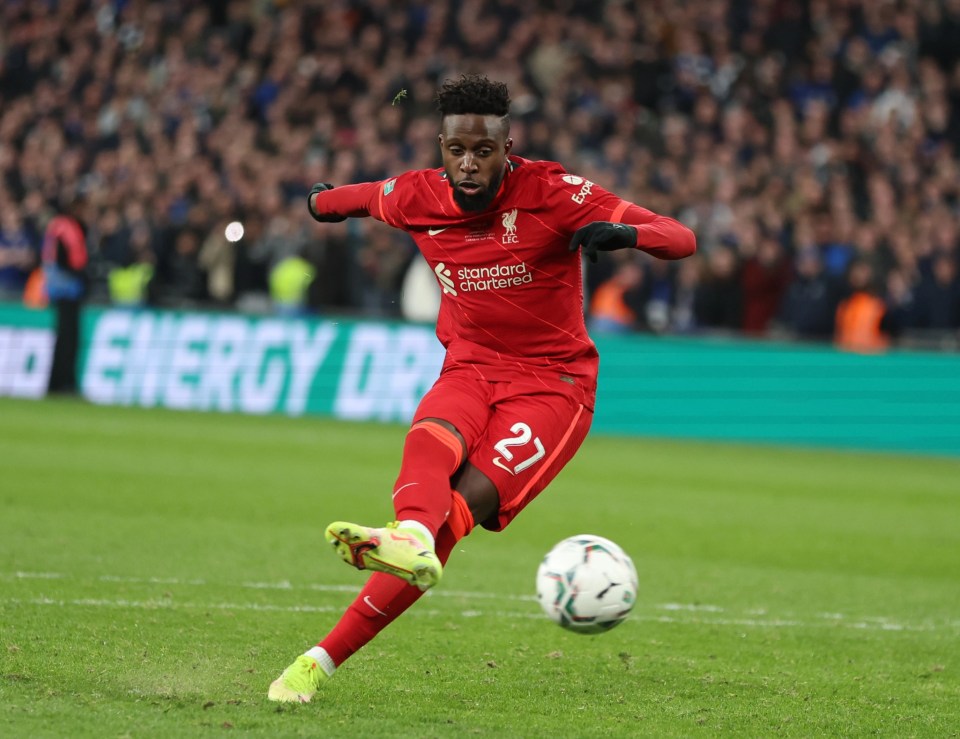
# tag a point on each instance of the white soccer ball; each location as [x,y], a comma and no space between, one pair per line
[587,584]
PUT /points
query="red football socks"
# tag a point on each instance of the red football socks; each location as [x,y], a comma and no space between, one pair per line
[381,600]
[385,597]
[431,454]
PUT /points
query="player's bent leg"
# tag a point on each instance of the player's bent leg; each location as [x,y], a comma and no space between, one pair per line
[395,550]
[380,601]
[299,682]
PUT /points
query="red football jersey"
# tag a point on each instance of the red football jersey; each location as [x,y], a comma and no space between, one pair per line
[512,292]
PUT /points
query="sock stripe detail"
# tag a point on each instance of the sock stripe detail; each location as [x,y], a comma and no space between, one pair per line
[444,436]
[460,520]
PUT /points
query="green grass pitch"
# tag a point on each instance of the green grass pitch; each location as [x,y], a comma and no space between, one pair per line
[159,569]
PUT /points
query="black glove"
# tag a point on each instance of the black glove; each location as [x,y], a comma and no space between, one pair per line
[322,187]
[603,236]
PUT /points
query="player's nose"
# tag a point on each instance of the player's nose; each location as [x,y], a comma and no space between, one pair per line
[468,164]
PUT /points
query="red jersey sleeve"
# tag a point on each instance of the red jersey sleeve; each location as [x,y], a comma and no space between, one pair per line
[363,200]
[578,202]
[660,236]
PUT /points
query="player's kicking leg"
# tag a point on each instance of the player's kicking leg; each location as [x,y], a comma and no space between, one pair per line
[405,550]
[381,600]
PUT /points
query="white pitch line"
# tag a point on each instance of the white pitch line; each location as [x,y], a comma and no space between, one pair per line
[690,607]
[37,575]
[164,605]
[173,605]
[878,623]
[150,580]
[279,585]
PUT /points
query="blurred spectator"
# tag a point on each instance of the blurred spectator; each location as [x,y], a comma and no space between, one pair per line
[683,318]
[719,298]
[127,256]
[290,280]
[810,302]
[184,279]
[329,254]
[65,259]
[18,256]
[657,294]
[764,278]
[938,295]
[827,126]
[129,286]
[900,299]
[383,257]
[420,294]
[217,258]
[862,322]
[610,310]
[287,234]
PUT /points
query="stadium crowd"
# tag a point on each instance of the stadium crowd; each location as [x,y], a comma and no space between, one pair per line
[812,146]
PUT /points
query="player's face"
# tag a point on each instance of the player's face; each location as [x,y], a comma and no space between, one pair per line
[474,149]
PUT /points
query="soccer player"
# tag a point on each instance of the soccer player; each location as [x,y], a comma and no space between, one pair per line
[515,395]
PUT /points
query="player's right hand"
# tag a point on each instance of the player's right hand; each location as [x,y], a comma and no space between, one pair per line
[323,218]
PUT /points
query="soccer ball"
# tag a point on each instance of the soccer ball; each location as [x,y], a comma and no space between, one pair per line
[587,584]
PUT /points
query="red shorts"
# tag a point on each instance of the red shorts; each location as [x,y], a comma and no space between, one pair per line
[519,433]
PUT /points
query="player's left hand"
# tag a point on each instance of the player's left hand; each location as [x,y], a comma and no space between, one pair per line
[603,236]
[322,217]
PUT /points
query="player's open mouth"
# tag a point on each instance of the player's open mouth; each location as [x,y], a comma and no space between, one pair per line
[470,188]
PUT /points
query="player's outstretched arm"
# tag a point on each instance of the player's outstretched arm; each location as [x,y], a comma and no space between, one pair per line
[329,205]
[661,236]
[642,229]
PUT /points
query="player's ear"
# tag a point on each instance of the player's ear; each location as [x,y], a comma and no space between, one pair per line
[440,140]
[507,146]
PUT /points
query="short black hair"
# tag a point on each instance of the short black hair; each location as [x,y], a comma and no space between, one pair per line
[473,94]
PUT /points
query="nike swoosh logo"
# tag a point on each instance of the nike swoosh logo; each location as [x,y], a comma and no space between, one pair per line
[397,491]
[497,461]
[366,599]
[412,540]
[435,231]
